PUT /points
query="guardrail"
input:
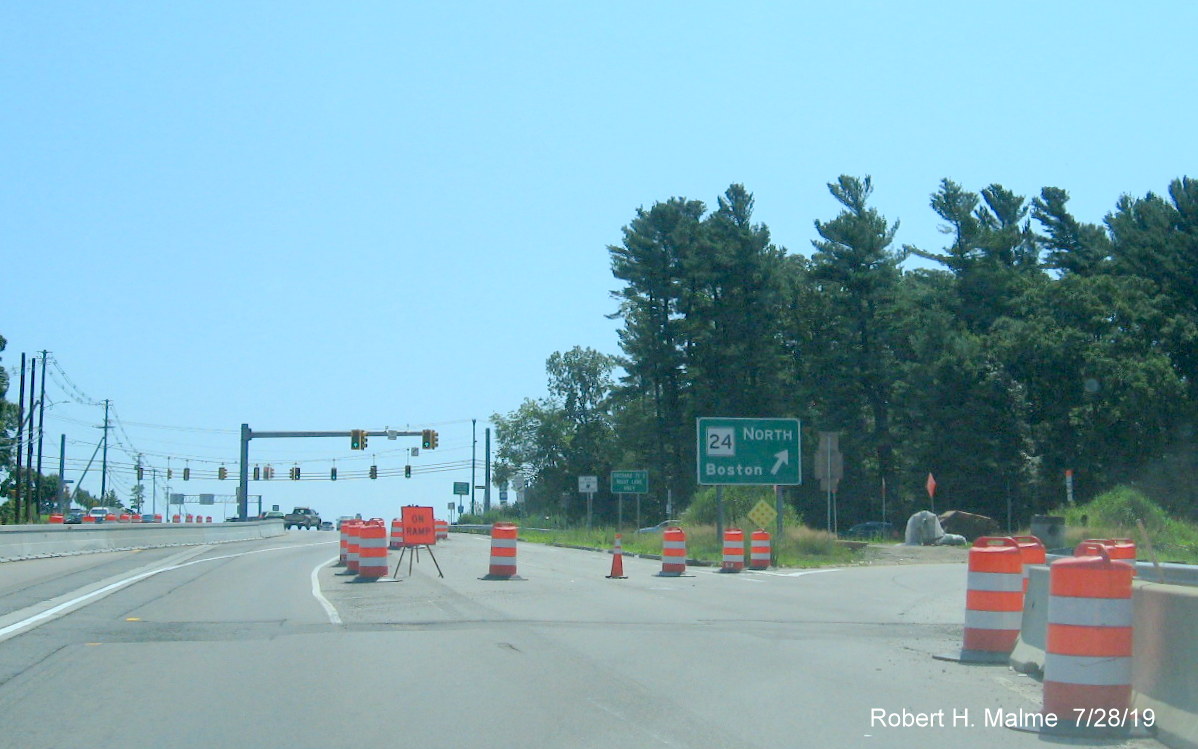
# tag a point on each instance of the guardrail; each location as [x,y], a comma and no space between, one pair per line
[1166,572]
[40,541]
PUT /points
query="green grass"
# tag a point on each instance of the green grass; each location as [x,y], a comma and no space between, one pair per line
[800,547]
[1118,514]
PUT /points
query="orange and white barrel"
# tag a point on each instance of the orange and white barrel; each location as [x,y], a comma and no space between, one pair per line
[1088,649]
[174,518]
[57,517]
[1122,549]
[673,552]
[759,549]
[343,556]
[372,550]
[1032,550]
[503,550]
[353,546]
[734,550]
[442,528]
[396,533]
[993,598]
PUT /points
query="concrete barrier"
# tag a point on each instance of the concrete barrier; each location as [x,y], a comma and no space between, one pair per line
[1028,655]
[1166,651]
[39,541]
[1166,660]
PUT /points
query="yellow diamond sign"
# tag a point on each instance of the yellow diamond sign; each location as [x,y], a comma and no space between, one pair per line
[763,514]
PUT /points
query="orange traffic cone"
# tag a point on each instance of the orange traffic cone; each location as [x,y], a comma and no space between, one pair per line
[617,562]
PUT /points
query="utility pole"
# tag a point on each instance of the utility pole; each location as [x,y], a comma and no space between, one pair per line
[62,474]
[487,491]
[473,460]
[141,498]
[30,499]
[41,422]
[104,461]
[20,431]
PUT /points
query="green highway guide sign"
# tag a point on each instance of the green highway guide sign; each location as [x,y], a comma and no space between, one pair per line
[629,482]
[751,452]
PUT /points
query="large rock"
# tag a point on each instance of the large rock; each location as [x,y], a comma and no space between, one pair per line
[968,524]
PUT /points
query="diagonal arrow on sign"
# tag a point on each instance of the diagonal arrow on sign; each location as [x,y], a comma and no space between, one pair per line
[749,451]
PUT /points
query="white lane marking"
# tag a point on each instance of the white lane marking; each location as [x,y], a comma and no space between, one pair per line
[798,574]
[329,609]
[53,612]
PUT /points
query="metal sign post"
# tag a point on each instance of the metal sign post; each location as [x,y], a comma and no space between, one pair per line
[829,469]
[588,485]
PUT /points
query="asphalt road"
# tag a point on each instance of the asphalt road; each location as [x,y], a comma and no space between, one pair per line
[267,644]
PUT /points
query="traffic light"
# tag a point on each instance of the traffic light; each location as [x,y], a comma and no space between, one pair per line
[222,473]
[365,441]
[139,473]
[434,440]
[333,473]
[187,474]
[426,439]
[268,472]
[374,472]
[257,473]
[170,474]
[295,473]
[355,439]
[407,472]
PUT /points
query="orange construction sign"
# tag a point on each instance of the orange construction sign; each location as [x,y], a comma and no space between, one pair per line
[419,527]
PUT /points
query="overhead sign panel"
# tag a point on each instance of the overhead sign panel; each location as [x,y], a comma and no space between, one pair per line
[752,452]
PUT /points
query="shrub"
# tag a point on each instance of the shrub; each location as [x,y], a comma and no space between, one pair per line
[738,501]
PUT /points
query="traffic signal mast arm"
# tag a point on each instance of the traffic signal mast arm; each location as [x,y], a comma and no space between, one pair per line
[429,440]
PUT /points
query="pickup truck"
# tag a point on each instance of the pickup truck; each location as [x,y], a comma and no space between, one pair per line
[302,517]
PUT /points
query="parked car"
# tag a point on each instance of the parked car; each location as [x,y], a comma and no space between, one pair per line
[660,526]
[74,516]
[872,529]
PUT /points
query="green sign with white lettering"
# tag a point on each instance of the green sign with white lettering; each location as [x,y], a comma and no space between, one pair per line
[629,482]
[749,452]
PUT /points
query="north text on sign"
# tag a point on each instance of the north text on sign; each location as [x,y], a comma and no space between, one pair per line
[753,433]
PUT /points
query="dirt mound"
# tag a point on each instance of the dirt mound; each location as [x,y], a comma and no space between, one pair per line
[902,554]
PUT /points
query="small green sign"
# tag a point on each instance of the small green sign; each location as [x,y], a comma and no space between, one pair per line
[629,482]
[461,488]
[754,452]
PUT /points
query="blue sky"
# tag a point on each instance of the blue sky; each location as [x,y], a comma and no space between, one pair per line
[325,216]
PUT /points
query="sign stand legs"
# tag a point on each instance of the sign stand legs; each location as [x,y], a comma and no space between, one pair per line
[413,558]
